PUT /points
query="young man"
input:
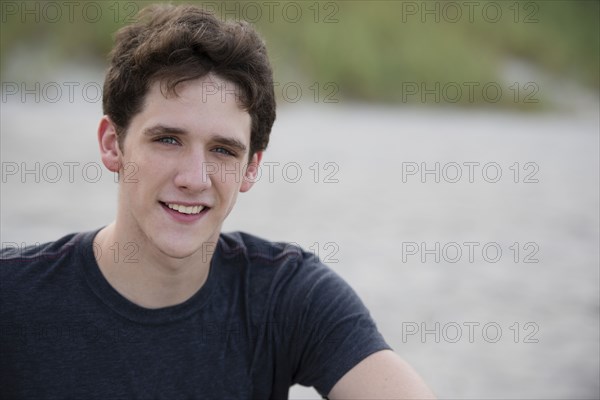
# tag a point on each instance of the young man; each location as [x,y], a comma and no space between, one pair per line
[186,311]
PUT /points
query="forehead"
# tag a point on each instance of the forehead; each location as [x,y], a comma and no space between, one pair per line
[208,104]
[206,88]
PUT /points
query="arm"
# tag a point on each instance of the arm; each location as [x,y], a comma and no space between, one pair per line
[382,375]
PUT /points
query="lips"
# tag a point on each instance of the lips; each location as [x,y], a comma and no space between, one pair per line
[185,209]
[185,212]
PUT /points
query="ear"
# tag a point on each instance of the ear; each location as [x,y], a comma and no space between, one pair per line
[109,145]
[252,171]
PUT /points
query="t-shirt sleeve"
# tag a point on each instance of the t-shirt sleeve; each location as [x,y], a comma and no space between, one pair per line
[332,330]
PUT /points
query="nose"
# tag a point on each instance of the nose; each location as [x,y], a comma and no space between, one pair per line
[194,172]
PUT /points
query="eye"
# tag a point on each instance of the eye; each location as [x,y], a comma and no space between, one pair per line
[223,150]
[167,140]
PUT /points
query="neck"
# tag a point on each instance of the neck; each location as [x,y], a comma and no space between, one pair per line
[142,274]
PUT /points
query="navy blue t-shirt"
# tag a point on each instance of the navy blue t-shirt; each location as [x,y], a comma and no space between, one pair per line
[268,316]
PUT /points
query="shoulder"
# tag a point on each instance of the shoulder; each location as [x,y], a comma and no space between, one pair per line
[256,249]
[295,282]
[13,253]
[321,326]
[282,277]
[21,262]
[279,262]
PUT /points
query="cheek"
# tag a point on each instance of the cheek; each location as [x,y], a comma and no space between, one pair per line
[130,172]
[143,178]
[231,204]
[228,191]
[154,169]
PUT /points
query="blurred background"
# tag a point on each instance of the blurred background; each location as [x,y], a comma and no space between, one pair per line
[442,157]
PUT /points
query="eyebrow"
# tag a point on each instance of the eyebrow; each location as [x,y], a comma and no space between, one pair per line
[172,130]
[230,142]
[163,129]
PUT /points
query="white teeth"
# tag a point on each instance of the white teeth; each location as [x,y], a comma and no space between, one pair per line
[185,209]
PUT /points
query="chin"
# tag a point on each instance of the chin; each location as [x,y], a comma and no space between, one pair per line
[174,246]
[184,246]
[178,252]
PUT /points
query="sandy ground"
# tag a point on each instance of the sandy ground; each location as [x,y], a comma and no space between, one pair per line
[495,325]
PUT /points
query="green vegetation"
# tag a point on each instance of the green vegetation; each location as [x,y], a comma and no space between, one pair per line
[372,50]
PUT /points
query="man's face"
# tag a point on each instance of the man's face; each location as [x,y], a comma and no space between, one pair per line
[184,160]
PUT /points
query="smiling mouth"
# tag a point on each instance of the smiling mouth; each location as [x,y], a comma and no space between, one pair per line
[182,209]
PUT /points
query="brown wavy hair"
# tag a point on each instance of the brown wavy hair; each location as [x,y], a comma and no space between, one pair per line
[172,44]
